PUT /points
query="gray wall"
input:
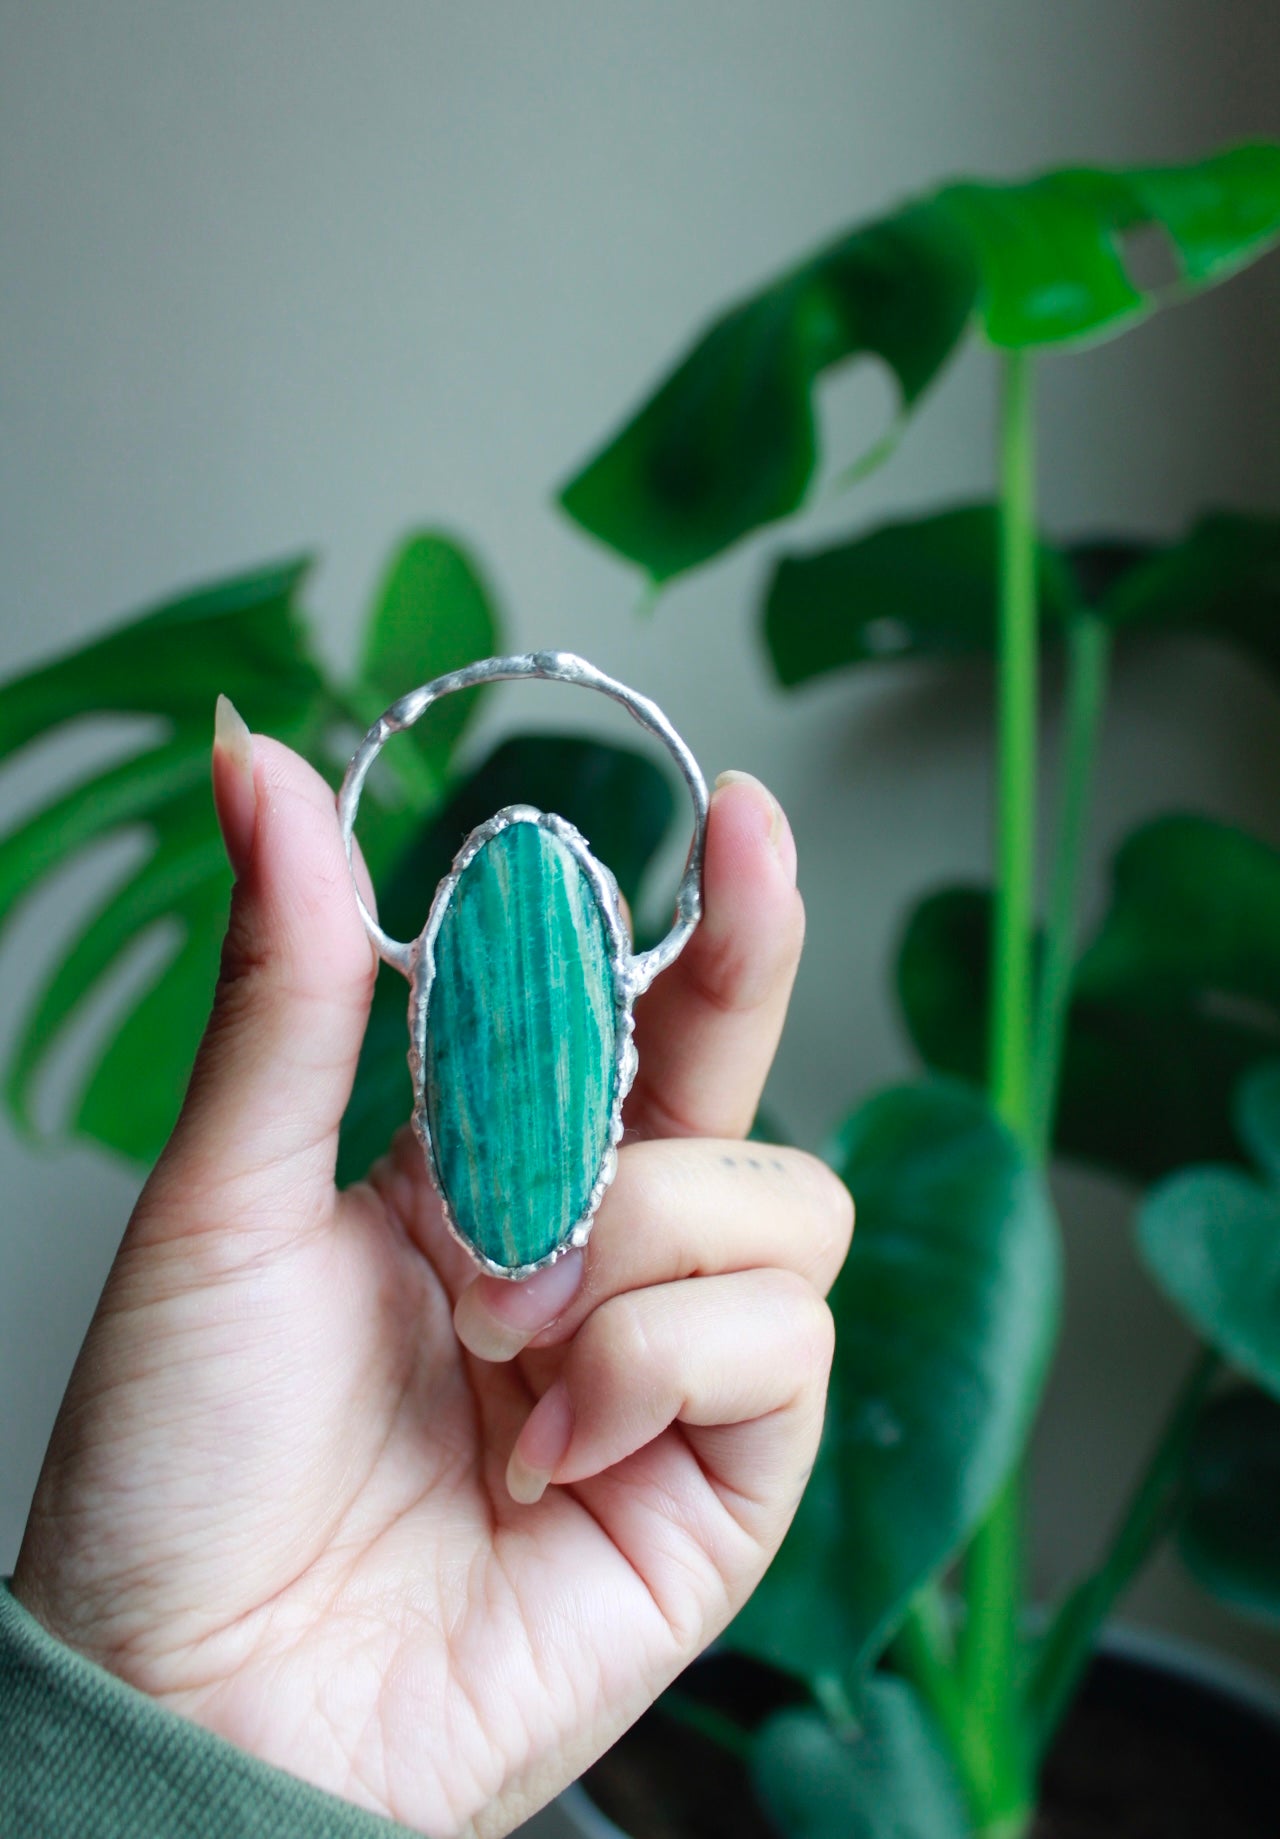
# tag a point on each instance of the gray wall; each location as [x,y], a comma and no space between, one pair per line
[281,276]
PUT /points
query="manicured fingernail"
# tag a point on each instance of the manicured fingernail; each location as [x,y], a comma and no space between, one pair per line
[235,795]
[780,836]
[494,1319]
[541,1446]
[230,732]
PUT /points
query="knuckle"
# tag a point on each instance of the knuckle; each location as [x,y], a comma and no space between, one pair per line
[809,1328]
[730,975]
[794,928]
[268,956]
[832,1212]
[244,959]
[836,1206]
[641,1189]
[639,1226]
[795,1295]
[612,1346]
[737,972]
[817,1340]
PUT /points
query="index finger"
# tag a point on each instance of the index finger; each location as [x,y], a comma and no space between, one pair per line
[707,1030]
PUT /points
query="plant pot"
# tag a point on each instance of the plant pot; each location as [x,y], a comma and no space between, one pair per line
[1164,1742]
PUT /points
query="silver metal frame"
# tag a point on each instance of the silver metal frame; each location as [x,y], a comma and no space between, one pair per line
[605,889]
[632,973]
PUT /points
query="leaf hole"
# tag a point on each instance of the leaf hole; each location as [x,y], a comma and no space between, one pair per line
[84,746]
[42,931]
[1150,258]
[97,1021]
[857,410]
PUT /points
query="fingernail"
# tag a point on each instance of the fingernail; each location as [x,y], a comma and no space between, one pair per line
[541,1446]
[494,1319]
[780,838]
[235,796]
[231,732]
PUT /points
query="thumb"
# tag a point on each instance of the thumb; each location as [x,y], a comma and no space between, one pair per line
[275,1068]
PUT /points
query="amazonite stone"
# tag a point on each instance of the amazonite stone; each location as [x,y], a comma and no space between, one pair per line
[521,1037]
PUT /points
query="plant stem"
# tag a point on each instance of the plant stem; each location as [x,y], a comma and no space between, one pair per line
[989,1661]
[1150,1514]
[931,1617]
[841,1713]
[1088,656]
[716,1726]
[922,1653]
[1010,1062]
[1001,1787]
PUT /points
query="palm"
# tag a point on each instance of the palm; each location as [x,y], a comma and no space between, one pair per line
[277,1495]
[321,1458]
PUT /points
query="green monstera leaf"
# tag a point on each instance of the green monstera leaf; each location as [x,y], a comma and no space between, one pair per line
[433,613]
[727,442]
[943,978]
[1257,1117]
[886,1778]
[247,638]
[1179,990]
[1227,1533]
[1210,1237]
[945,1315]
[927,587]
[1052,253]
[924,588]
[1174,1000]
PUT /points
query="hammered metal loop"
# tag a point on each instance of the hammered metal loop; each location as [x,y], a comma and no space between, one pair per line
[550,667]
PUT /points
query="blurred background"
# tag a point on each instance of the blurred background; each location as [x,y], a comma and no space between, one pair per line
[283,277]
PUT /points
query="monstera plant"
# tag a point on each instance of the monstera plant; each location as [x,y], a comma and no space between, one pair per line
[925,1696]
[248,638]
[922,1700]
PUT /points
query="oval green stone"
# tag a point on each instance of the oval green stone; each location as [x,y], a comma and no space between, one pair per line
[521,1031]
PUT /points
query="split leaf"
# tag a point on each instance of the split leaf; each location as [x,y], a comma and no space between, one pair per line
[726,443]
[246,638]
[243,637]
[928,587]
[729,440]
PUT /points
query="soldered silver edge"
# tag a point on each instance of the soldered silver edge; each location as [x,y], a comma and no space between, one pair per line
[552,667]
[604,887]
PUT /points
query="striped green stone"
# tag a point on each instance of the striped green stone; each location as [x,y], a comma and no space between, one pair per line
[521,1029]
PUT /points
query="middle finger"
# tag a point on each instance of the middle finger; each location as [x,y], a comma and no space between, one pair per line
[679,1207]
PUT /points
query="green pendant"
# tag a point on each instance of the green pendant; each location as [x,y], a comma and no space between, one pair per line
[521,991]
[523,1039]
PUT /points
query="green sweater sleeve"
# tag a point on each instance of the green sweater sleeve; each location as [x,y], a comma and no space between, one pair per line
[83,1756]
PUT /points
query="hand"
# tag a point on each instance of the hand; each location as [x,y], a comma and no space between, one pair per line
[298,1487]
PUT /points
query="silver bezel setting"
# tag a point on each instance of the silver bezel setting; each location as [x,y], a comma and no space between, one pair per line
[632,973]
[604,888]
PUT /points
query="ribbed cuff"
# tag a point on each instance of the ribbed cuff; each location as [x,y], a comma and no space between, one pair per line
[84,1756]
